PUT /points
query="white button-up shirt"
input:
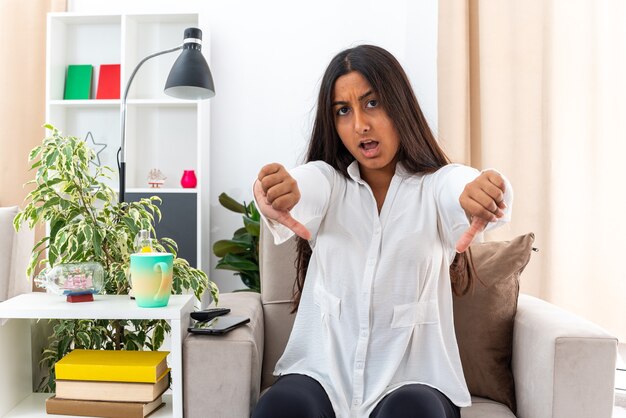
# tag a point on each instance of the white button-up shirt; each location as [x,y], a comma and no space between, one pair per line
[376,309]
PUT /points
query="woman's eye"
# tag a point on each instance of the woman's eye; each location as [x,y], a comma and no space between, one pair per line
[372,103]
[342,111]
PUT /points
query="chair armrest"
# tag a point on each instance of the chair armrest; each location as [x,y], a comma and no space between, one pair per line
[222,374]
[23,244]
[563,365]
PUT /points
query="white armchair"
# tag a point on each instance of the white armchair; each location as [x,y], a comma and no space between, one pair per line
[15,249]
[563,365]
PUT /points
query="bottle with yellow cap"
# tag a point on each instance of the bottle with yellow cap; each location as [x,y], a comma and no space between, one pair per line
[143,242]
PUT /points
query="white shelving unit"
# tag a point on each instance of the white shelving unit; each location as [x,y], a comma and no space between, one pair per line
[18,399]
[161,132]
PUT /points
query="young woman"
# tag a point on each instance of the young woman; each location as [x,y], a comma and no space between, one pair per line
[381,214]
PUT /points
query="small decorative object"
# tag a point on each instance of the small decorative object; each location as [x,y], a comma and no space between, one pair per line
[189,180]
[78,82]
[143,242]
[77,281]
[156,178]
[109,82]
[95,145]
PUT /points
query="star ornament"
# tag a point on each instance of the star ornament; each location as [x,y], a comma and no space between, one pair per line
[97,147]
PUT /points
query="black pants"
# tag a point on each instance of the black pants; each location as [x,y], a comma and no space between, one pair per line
[299,396]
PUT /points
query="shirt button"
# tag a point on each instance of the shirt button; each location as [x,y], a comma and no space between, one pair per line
[356,402]
[359,364]
[363,332]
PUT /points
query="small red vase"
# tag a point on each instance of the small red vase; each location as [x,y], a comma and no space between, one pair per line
[189,180]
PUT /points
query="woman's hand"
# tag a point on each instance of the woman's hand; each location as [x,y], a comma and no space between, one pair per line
[276,193]
[483,202]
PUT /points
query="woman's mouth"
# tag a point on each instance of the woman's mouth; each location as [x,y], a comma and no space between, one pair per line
[369,148]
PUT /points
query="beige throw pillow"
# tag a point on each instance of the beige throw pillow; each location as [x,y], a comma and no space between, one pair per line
[483,318]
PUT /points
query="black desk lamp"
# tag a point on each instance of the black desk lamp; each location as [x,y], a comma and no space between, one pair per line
[190,78]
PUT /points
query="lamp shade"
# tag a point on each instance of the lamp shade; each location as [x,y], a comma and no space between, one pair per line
[190,76]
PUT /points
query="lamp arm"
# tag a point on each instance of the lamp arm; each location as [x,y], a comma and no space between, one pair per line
[122,160]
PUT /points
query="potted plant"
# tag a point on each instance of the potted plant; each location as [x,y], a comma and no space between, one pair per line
[86,223]
[241,253]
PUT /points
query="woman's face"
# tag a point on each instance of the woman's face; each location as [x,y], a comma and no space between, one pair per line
[363,125]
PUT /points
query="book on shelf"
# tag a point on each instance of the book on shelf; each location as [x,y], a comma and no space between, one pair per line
[109,82]
[112,366]
[104,409]
[112,391]
[78,82]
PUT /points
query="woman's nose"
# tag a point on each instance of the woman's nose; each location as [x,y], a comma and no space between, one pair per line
[361,123]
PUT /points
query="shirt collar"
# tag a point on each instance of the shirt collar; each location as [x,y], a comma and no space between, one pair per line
[355,173]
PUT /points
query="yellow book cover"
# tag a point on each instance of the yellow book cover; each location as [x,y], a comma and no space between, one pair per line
[112,365]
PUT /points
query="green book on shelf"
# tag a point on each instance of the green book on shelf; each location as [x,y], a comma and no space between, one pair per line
[78,82]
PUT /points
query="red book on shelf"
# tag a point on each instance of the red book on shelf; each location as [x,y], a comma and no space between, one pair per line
[109,82]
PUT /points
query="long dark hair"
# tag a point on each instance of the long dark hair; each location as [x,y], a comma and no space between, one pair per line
[418,150]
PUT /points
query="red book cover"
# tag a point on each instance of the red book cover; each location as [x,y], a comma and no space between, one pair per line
[109,82]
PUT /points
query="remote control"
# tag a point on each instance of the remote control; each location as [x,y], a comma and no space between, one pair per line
[208,314]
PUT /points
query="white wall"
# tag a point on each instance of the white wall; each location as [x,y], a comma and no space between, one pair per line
[267,58]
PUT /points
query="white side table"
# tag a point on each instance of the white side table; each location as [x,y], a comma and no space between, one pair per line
[16,396]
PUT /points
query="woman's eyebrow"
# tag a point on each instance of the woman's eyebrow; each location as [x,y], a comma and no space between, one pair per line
[361,97]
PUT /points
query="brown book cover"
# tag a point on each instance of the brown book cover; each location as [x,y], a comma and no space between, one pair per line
[112,391]
[103,409]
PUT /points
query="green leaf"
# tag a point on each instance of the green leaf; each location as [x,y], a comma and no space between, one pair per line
[55,225]
[51,158]
[88,231]
[251,279]
[223,247]
[64,346]
[236,263]
[231,204]
[131,224]
[84,340]
[97,243]
[252,226]
[34,152]
[254,213]
[171,245]
[158,337]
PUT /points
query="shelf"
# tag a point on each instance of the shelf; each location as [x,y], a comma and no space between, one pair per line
[161,132]
[85,103]
[129,102]
[16,347]
[85,19]
[43,305]
[34,406]
[162,102]
[160,18]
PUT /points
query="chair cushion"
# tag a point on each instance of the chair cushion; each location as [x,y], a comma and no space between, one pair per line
[484,317]
[485,408]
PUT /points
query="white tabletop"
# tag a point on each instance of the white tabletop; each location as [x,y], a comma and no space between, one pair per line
[45,305]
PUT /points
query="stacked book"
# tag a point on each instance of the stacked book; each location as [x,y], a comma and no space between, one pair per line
[111,384]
